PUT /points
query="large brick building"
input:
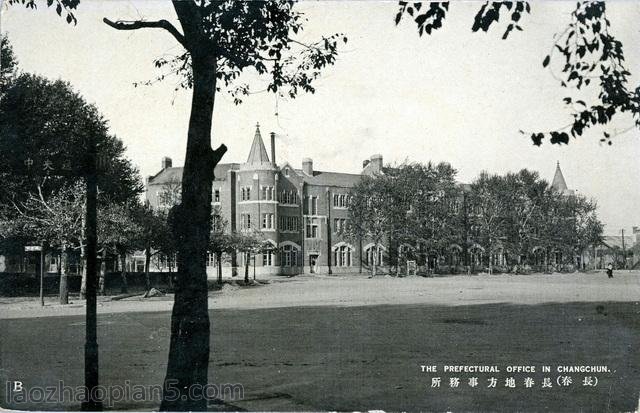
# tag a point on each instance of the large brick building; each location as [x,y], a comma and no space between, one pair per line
[300,211]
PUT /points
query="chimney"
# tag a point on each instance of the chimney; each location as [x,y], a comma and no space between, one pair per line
[273,148]
[166,163]
[365,163]
[376,163]
[307,166]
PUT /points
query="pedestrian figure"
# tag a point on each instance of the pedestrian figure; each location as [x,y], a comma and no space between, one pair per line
[610,270]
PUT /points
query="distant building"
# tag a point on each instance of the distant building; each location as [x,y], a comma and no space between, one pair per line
[621,251]
[300,211]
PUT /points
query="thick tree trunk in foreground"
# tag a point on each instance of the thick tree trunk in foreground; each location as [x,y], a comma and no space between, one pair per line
[189,345]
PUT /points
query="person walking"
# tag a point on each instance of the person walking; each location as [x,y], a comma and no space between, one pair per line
[610,270]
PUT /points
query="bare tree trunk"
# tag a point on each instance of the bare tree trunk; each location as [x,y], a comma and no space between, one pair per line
[64,284]
[147,262]
[219,258]
[490,255]
[124,288]
[188,361]
[83,261]
[103,272]
[83,283]
[234,264]
[360,253]
[247,257]
[374,267]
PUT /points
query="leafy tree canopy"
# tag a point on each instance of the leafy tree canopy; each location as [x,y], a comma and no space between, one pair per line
[8,62]
[45,128]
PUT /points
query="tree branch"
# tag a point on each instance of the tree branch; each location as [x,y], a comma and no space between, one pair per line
[216,155]
[140,24]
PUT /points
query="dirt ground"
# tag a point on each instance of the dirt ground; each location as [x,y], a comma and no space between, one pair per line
[358,290]
[353,343]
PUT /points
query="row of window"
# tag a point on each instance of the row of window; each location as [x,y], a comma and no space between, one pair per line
[267,193]
[342,257]
[339,225]
[288,223]
[341,200]
[292,223]
[310,205]
[268,221]
[288,197]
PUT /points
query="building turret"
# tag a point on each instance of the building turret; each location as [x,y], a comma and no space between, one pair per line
[559,184]
[256,190]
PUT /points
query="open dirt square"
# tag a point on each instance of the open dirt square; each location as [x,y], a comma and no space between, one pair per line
[354,343]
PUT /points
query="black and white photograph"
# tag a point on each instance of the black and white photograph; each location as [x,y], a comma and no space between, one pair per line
[333,205]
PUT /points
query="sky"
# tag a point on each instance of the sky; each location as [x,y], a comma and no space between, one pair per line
[454,96]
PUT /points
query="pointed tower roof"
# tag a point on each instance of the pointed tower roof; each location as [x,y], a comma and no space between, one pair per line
[258,153]
[558,180]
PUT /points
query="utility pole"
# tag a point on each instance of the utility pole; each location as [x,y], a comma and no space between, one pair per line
[329,230]
[624,252]
[302,225]
[91,340]
[42,274]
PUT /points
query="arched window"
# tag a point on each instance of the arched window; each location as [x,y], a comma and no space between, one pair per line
[342,256]
[373,255]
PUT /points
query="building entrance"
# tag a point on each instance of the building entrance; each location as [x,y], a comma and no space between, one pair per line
[313,263]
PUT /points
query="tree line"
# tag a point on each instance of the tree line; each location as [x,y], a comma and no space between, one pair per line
[45,129]
[420,212]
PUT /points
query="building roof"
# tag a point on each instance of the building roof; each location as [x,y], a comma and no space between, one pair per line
[166,176]
[464,186]
[558,180]
[174,175]
[258,153]
[615,241]
[330,178]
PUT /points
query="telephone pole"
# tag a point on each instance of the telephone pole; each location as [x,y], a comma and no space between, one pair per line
[91,328]
[624,252]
